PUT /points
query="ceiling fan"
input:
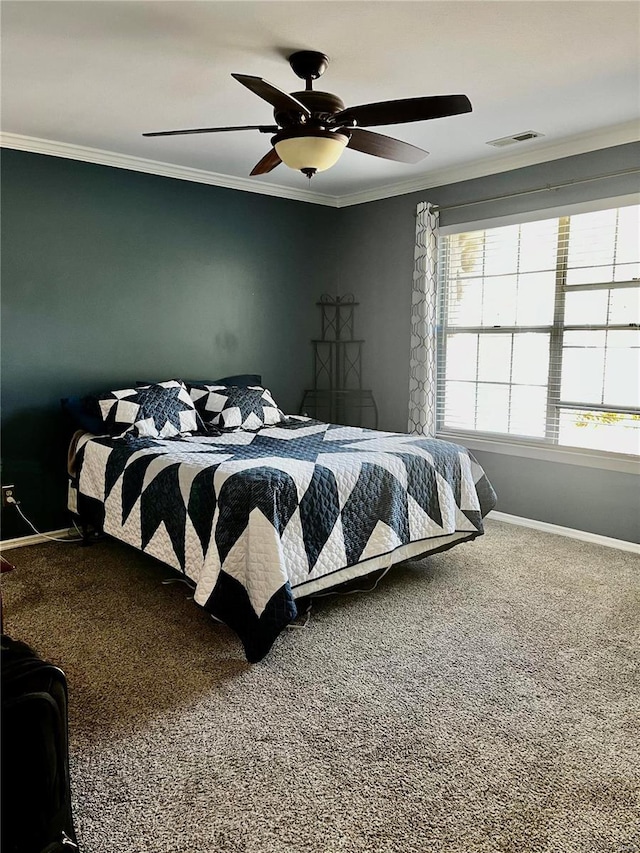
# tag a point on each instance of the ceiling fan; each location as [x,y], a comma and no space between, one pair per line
[313,128]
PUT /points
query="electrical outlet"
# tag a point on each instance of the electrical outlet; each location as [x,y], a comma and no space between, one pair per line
[8,496]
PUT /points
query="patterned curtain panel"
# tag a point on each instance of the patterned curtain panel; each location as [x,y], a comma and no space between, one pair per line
[422,375]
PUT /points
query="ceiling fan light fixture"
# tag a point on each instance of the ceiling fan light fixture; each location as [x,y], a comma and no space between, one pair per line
[310,150]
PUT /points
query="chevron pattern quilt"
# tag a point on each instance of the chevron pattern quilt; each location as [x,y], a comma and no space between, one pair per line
[258,519]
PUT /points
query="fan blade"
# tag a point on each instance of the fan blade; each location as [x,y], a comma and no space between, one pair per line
[399,112]
[270,93]
[267,164]
[261,127]
[384,146]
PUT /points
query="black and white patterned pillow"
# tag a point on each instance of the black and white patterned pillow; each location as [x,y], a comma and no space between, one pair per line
[236,407]
[161,410]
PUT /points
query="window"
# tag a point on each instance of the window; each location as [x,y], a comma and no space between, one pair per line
[539,331]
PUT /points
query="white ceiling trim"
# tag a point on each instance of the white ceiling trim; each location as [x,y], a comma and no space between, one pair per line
[540,153]
[156,167]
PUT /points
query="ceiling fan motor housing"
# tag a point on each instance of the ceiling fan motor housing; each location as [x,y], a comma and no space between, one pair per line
[321,104]
[309,143]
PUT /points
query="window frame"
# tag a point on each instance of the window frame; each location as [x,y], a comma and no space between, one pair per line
[543,449]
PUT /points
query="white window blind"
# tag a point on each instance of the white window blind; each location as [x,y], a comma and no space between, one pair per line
[539,331]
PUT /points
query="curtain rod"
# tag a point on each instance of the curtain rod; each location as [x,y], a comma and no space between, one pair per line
[546,188]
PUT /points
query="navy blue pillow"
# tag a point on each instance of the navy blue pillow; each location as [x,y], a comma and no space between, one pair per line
[242,380]
[76,409]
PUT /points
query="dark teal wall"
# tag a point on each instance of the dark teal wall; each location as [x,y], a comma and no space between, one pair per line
[110,276]
[376,264]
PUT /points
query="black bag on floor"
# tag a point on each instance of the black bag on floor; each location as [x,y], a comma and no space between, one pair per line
[36,800]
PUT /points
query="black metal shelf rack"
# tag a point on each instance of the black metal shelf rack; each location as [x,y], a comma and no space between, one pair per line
[338,395]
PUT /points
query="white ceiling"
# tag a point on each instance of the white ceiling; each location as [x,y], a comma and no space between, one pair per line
[97,74]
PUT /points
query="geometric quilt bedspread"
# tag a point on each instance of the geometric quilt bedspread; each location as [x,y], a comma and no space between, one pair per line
[251,517]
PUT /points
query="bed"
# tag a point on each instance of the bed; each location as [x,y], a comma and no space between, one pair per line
[261,516]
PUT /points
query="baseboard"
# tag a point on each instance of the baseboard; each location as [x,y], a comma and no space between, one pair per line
[35,539]
[570,532]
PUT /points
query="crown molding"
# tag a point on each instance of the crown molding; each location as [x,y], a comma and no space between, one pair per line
[539,152]
[156,167]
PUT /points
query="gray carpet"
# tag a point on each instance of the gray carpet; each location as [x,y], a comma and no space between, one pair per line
[484,699]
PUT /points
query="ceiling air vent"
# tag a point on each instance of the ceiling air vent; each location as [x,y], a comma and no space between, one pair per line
[517,137]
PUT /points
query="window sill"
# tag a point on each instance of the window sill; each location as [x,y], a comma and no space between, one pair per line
[564,455]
